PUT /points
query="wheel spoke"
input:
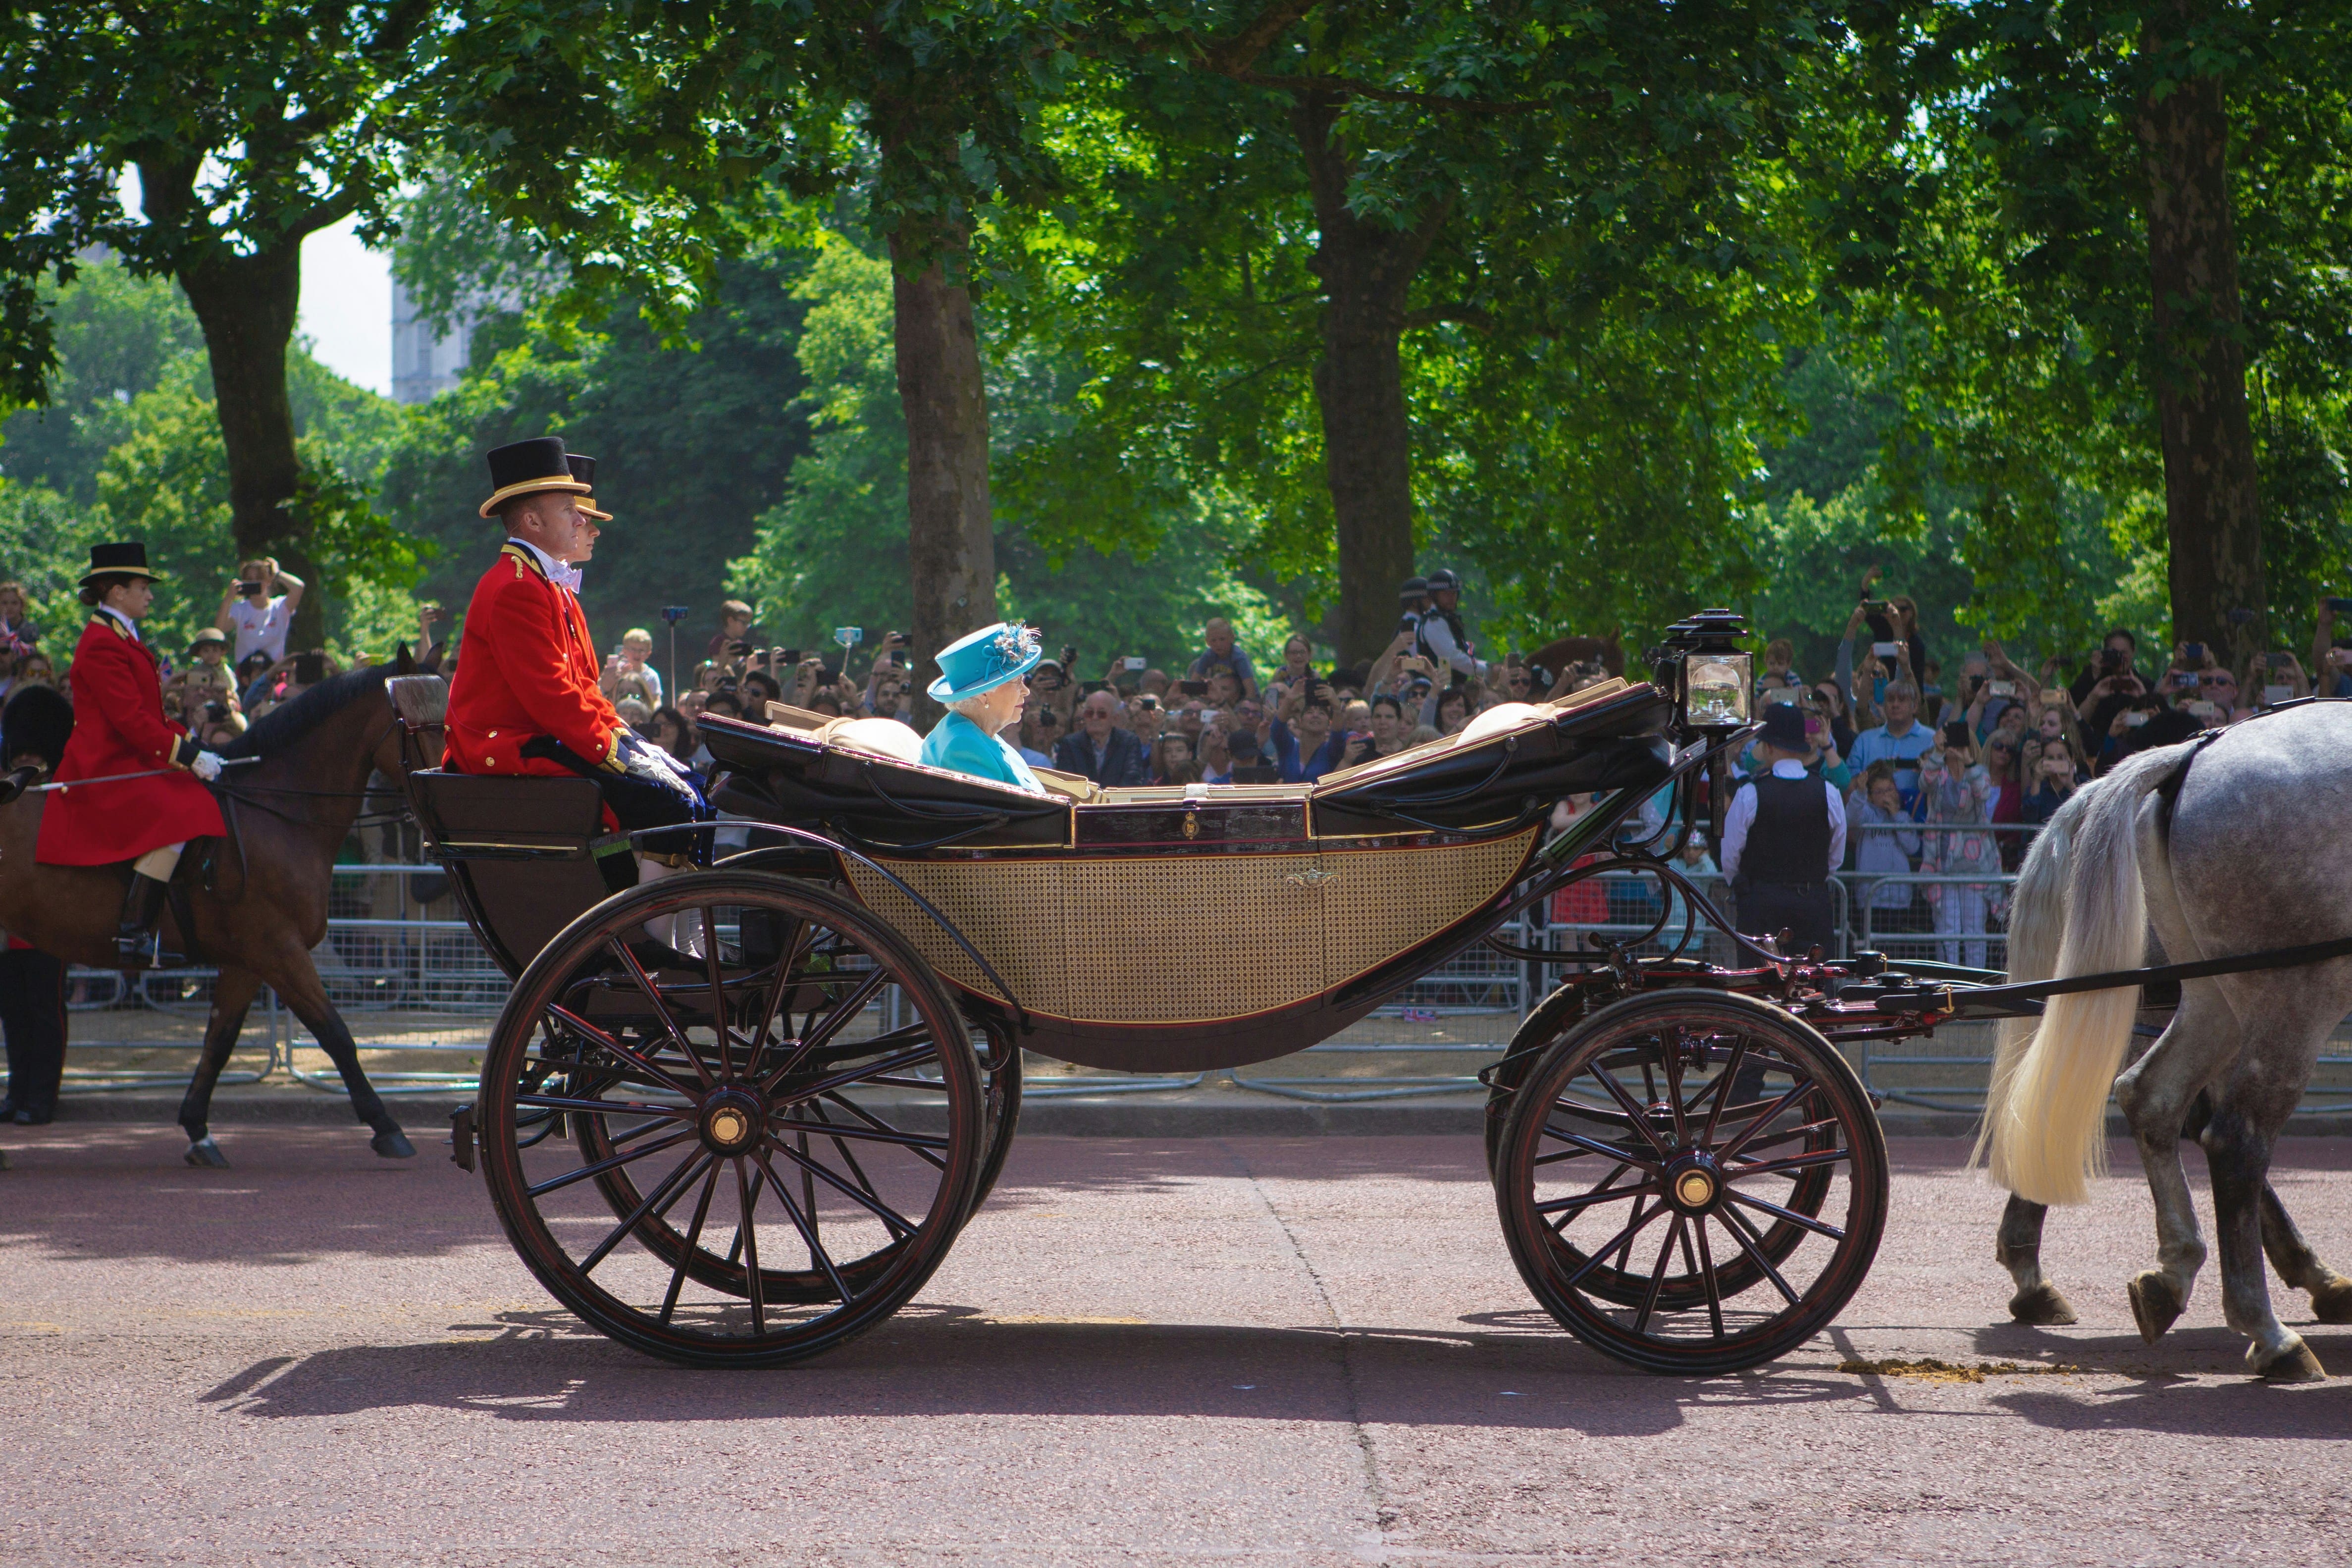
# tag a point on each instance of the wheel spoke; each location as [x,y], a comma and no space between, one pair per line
[858,1074]
[611,1043]
[693,1240]
[1791,1216]
[1639,1117]
[836,1130]
[876,1123]
[609,1163]
[808,1231]
[661,1009]
[1559,1226]
[1584,1145]
[637,1217]
[1783,1167]
[1705,1272]
[1625,1253]
[1658,1275]
[813,1037]
[747,1236]
[1722,1087]
[606,1106]
[718,990]
[1624,1238]
[786,963]
[1671,1052]
[1731,1150]
[1748,1239]
[1789,1136]
[816,1169]
[1579,1204]
[817,1106]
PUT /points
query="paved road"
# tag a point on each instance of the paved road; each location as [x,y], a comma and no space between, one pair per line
[1291,1351]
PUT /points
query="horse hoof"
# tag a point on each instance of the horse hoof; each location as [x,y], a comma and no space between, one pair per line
[393,1144]
[2041,1306]
[207,1154]
[2332,1302]
[2294,1364]
[2154,1305]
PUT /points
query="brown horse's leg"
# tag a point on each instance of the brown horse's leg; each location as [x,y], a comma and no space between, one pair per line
[232,995]
[306,997]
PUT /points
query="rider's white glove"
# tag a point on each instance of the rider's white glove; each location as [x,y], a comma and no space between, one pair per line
[207,766]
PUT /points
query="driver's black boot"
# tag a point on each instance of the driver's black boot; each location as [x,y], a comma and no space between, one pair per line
[142,904]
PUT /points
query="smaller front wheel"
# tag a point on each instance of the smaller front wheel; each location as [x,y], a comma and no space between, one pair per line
[1692,1182]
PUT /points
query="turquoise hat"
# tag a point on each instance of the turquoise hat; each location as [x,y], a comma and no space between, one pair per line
[985,661]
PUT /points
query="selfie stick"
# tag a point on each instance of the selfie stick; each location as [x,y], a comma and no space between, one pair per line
[118,778]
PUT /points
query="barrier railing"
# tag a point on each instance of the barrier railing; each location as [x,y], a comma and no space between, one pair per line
[409,977]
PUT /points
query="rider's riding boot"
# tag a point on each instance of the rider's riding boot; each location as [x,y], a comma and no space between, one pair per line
[141,905]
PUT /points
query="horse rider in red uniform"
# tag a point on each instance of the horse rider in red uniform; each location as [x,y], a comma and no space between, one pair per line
[119,728]
[525,699]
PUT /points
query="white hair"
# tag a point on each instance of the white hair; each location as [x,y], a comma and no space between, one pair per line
[976,707]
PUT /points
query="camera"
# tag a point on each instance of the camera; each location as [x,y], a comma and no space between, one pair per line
[2193,651]
[1069,656]
[674,614]
[250,589]
[2113,661]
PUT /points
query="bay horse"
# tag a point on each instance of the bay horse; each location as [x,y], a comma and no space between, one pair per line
[2227,844]
[255,903]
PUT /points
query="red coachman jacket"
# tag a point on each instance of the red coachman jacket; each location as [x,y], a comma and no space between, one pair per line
[119,728]
[526,667]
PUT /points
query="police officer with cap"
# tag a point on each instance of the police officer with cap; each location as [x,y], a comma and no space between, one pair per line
[1782,837]
[1444,640]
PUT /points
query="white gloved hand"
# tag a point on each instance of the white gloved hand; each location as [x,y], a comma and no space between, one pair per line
[207,766]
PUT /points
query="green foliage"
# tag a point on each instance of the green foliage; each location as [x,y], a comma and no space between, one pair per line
[692,441]
[834,551]
[125,333]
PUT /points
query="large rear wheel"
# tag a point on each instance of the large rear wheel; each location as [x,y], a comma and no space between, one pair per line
[777,1119]
[1692,1182]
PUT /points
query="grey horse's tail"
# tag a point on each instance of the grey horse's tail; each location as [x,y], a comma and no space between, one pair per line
[2079,909]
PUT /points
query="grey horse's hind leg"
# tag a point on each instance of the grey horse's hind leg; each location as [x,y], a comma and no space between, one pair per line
[2018,1250]
[2156,1093]
[2239,1153]
[2300,1267]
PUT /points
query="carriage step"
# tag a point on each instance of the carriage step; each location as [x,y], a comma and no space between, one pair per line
[461,1137]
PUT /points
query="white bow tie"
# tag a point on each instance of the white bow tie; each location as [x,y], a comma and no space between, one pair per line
[564,576]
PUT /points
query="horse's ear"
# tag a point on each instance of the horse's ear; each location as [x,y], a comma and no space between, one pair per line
[402,662]
[431,663]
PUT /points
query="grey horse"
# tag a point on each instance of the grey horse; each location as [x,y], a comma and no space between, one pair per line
[2226,845]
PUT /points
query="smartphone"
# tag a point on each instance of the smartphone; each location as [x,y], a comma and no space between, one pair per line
[673,613]
[2135,718]
[1955,733]
[1887,650]
[2275,694]
[1194,688]
[2202,709]
[1871,606]
[1135,664]
[310,668]
[739,650]
[792,656]
[2001,688]
[2193,651]
[896,639]
[1069,655]
[1147,702]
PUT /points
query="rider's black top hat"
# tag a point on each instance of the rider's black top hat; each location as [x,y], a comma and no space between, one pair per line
[118,560]
[525,467]
[584,471]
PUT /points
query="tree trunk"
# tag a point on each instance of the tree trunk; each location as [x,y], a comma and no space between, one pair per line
[1367,271]
[950,539]
[2211,490]
[248,305]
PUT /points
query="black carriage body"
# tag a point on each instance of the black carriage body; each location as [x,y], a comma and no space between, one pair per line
[1298,909]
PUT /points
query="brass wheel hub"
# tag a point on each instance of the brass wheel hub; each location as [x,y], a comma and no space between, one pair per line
[1694,1182]
[731,1120]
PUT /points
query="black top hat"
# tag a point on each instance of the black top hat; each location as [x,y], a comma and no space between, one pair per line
[525,467]
[584,471]
[1784,726]
[118,560]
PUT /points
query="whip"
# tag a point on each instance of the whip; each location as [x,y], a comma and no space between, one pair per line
[227,763]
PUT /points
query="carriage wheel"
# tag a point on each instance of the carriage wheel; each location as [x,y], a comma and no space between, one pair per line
[789,1126]
[1000,1068]
[1560,1015]
[1692,1182]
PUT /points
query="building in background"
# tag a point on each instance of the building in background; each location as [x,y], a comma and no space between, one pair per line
[426,363]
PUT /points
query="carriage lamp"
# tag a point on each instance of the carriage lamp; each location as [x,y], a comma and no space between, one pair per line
[1709,673]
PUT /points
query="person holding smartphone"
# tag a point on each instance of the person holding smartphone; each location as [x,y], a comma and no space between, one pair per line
[259,608]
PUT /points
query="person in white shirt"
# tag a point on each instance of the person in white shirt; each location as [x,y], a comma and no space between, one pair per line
[1782,837]
[259,608]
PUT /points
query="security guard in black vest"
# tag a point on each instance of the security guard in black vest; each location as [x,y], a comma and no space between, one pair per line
[1782,837]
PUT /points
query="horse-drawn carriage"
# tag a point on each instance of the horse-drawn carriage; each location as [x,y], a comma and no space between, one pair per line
[737,1115]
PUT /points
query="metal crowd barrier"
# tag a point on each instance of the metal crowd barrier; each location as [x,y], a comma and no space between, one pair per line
[396,949]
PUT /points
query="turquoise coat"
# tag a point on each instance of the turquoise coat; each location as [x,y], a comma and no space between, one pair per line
[961,746]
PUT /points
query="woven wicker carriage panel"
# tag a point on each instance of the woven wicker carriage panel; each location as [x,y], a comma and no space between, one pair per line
[1008,908]
[1215,936]
[1378,902]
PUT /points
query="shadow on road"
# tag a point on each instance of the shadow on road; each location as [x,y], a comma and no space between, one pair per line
[945,1360]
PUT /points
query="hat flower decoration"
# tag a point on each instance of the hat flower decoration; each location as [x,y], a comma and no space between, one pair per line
[986,659]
